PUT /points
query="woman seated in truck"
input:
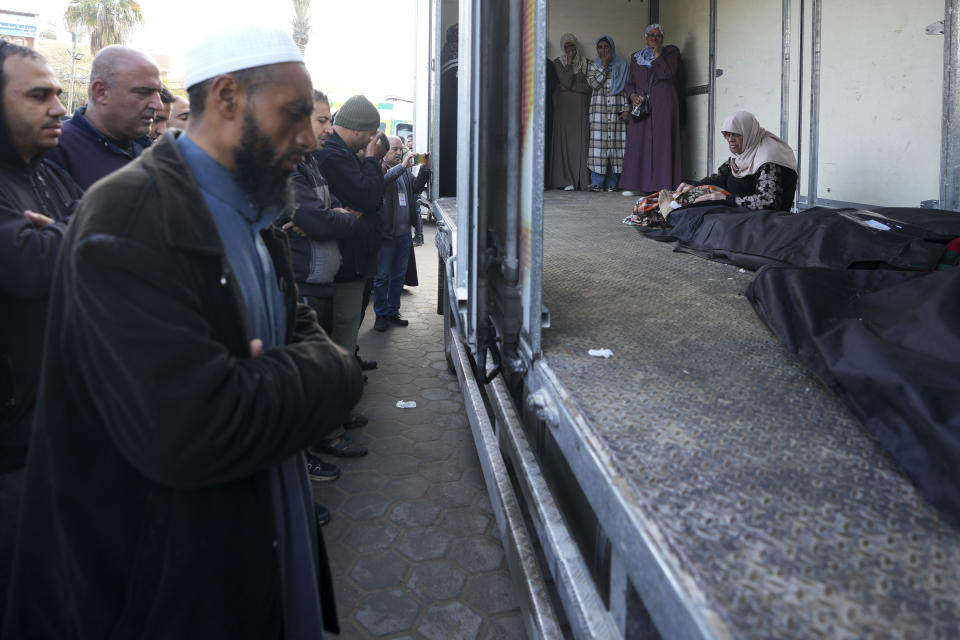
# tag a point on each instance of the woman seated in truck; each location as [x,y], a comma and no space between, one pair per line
[761,172]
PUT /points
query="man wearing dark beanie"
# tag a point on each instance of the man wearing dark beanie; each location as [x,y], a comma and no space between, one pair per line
[358,184]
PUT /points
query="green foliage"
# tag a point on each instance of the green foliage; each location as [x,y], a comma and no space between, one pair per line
[107,21]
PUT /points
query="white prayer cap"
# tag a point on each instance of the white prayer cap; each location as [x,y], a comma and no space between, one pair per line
[235,48]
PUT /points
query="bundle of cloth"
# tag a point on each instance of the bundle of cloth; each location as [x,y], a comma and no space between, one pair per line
[869,302]
[654,209]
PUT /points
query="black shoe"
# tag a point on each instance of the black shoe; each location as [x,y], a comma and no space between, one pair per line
[321,471]
[398,320]
[366,365]
[594,188]
[380,324]
[355,422]
[323,514]
[345,448]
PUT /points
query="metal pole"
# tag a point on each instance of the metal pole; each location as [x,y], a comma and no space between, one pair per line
[803,18]
[814,103]
[510,266]
[785,73]
[712,96]
[950,133]
[73,73]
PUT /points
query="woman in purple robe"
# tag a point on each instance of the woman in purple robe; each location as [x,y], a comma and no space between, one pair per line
[651,159]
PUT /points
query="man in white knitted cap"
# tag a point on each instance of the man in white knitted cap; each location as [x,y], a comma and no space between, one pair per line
[166,494]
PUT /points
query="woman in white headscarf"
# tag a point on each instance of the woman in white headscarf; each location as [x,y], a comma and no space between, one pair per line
[609,111]
[761,172]
[568,153]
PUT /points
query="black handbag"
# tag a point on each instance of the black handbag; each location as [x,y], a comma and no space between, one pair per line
[642,110]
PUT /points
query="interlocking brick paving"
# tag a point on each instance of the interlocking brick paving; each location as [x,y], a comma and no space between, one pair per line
[411,541]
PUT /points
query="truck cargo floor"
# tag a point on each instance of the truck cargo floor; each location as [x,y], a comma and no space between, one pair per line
[779,508]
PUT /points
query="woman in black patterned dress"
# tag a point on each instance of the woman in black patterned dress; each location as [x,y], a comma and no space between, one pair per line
[761,172]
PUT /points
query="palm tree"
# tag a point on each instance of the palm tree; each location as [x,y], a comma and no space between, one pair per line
[107,21]
[301,23]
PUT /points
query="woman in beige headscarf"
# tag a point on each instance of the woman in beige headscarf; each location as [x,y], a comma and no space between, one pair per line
[571,130]
[761,172]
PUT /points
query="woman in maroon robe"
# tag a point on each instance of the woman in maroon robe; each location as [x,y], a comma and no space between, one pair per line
[651,159]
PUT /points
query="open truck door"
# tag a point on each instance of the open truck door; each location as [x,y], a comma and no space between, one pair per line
[739,499]
[489,243]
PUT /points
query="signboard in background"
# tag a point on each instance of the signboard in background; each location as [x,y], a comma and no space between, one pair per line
[16,25]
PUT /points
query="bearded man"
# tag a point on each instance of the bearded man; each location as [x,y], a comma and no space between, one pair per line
[166,492]
[36,201]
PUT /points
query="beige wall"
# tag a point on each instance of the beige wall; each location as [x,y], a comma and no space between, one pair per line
[621,20]
[881,102]
[687,25]
[880,108]
[449,14]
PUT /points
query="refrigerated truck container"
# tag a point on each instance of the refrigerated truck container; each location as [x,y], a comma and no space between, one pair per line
[699,483]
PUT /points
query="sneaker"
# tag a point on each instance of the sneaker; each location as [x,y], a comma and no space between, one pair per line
[323,514]
[569,187]
[612,189]
[343,447]
[398,320]
[627,193]
[321,471]
[380,324]
[355,422]
[594,188]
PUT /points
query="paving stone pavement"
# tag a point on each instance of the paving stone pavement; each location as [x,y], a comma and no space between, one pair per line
[412,541]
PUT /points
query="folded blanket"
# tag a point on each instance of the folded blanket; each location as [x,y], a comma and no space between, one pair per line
[654,209]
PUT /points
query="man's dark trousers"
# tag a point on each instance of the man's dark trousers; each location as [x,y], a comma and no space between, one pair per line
[391,270]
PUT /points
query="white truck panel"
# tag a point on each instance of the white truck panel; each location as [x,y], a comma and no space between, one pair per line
[880,102]
[623,21]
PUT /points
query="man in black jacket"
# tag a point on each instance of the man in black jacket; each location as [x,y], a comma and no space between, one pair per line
[314,230]
[166,494]
[36,199]
[112,130]
[358,185]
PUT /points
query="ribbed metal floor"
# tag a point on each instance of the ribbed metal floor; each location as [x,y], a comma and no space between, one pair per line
[776,503]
